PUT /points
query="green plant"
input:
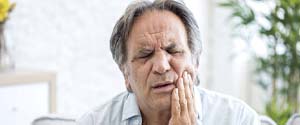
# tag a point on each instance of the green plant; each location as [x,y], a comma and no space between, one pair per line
[280,32]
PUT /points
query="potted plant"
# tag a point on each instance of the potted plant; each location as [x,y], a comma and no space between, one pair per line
[279,70]
[5,8]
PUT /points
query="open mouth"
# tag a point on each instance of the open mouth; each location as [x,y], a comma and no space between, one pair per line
[163,87]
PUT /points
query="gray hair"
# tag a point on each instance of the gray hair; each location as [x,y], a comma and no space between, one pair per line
[124,25]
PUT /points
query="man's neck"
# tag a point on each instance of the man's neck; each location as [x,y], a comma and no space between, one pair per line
[155,117]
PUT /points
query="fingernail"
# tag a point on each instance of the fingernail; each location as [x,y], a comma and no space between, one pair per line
[181,82]
[190,79]
[176,91]
[185,74]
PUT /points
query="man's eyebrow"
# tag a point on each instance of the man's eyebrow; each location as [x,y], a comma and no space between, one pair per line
[171,46]
[145,50]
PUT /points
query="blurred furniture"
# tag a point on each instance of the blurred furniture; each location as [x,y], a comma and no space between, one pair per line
[54,120]
[12,78]
[294,120]
[265,120]
[25,95]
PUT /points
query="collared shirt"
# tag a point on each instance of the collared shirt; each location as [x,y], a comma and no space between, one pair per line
[212,108]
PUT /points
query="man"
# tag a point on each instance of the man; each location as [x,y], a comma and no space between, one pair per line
[157,47]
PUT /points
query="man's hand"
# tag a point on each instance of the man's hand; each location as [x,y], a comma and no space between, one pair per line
[183,107]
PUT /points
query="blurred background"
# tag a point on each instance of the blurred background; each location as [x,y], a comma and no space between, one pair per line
[62,46]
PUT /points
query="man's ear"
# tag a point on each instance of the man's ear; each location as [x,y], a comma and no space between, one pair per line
[126,77]
[196,63]
[127,83]
[196,66]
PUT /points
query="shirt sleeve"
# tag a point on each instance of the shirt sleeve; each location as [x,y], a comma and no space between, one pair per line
[86,119]
[248,116]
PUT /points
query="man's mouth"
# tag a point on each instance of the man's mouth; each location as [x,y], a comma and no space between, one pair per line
[163,87]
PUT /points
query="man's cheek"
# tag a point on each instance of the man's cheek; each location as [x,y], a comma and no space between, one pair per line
[191,71]
[190,68]
[181,68]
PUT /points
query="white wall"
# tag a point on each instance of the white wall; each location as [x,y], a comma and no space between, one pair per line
[72,38]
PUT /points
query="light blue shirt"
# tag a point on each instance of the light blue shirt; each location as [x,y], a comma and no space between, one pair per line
[213,109]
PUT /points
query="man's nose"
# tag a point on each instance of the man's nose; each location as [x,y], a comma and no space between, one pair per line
[161,63]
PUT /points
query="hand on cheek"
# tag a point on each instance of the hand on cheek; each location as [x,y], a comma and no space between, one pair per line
[183,107]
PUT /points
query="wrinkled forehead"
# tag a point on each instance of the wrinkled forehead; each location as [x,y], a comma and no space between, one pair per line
[157,25]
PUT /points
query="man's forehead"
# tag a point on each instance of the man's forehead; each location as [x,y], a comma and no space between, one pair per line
[157,27]
[151,39]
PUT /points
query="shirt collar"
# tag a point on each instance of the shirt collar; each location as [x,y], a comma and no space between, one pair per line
[131,107]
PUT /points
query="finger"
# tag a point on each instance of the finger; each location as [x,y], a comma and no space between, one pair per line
[175,106]
[193,94]
[191,85]
[188,95]
[182,100]
[186,85]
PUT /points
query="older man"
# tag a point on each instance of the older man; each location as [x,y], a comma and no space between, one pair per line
[157,47]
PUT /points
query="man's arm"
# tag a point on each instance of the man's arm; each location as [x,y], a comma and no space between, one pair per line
[87,119]
[249,116]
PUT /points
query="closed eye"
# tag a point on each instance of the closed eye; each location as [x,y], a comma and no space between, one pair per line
[174,51]
[145,53]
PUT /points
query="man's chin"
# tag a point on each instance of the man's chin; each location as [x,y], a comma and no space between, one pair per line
[163,102]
